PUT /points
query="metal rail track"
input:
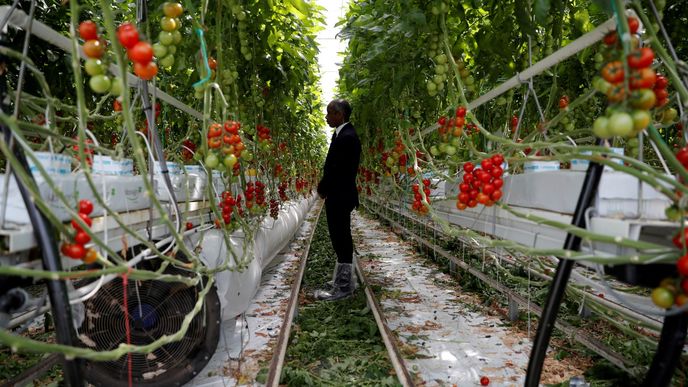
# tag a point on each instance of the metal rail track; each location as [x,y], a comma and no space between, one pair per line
[388,338]
[573,332]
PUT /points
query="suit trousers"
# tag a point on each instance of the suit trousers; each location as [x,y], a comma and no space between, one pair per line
[339,226]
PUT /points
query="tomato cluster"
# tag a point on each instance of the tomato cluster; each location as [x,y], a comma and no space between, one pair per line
[227,204]
[138,51]
[274,209]
[264,138]
[88,151]
[481,185]
[450,131]
[242,26]
[395,161]
[255,196]
[466,76]
[94,49]
[225,141]
[77,249]
[642,89]
[418,205]
[436,83]
[168,39]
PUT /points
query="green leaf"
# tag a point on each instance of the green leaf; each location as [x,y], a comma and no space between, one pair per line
[541,11]
[523,17]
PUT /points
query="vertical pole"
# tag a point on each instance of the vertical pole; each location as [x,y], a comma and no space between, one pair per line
[561,277]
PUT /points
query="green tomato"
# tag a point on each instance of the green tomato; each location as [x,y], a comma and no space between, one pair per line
[159,50]
[168,24]
[441,59]
[166,37]
[620,124]
[211,161]
[246,155]
[432,86]
[469,80]
[171,50]
[117,86]
[176,37]
[440,87]
[600,127]
[241,15]
[450,150]
[669,116]
[94,67]
[229,161]
[100,84]
[672,213]
[500,101]
[167,61]
[434,151]
[440,69]
[601,85]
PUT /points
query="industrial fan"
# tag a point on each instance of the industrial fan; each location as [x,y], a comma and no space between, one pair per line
[155,308]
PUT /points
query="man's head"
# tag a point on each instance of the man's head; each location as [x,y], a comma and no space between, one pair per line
[338,112]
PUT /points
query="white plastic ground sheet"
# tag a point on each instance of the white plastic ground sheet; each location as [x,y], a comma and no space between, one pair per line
[443,340]
[248,342]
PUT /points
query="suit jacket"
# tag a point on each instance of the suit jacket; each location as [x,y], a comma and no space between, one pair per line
[338,183]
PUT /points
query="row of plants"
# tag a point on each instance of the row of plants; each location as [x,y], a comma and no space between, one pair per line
[249,68]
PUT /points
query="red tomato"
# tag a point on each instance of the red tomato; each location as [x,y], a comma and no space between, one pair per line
[442,121]
[468,178]
[117,105]
[463,197]
[482,198]
[610,39]
[86,220]
[468,167]
[498,183]
[85,207]
[461,111]
[497,159]
[472,203]
[661,94]
[682,156]
[496,195]
[633,24]
[82,238]
[485,177]
[212,63]
[463,187]
[497,172]
[484,381]
[141,52]
[486,164]
[473,194]
[662,82]
[488,189]
[128,35]
[461,206]
[94,48]
[74,251]
[682,265]
[640,58]
[613,72]
[563,102]
[88,30]
[145,71]
[514,121]
[214,142]
[189,225]
[684,285]
[227,218]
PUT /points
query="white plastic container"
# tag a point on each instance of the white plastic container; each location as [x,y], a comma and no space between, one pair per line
[540,166]
[582,165]
[53,163]
[106,165]
[196,179]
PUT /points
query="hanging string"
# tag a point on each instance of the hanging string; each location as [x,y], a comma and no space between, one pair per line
[127,328]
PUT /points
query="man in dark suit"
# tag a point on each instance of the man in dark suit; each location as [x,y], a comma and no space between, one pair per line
[338,188]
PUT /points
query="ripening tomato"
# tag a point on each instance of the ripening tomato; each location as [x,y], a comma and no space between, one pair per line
[128,35]
[482,198]
[141,52]
[640,58]
[94,48]
[496,195]
[91,256]
[642,79]
[172,9]
[85,207]
[563,102]
[145,71]
[662,298]
[613,72]
[88,30]
[461,206]
[212,63]
[214,142]
[643,99]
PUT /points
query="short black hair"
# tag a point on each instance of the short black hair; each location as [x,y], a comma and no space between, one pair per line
[343,106]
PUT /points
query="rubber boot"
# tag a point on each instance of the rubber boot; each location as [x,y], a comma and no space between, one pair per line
[329,285]
[343,286]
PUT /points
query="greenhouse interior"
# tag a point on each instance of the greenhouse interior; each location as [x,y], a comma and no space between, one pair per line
[213,193]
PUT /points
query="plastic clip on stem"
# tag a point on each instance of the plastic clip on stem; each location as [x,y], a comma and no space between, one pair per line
[561,277]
